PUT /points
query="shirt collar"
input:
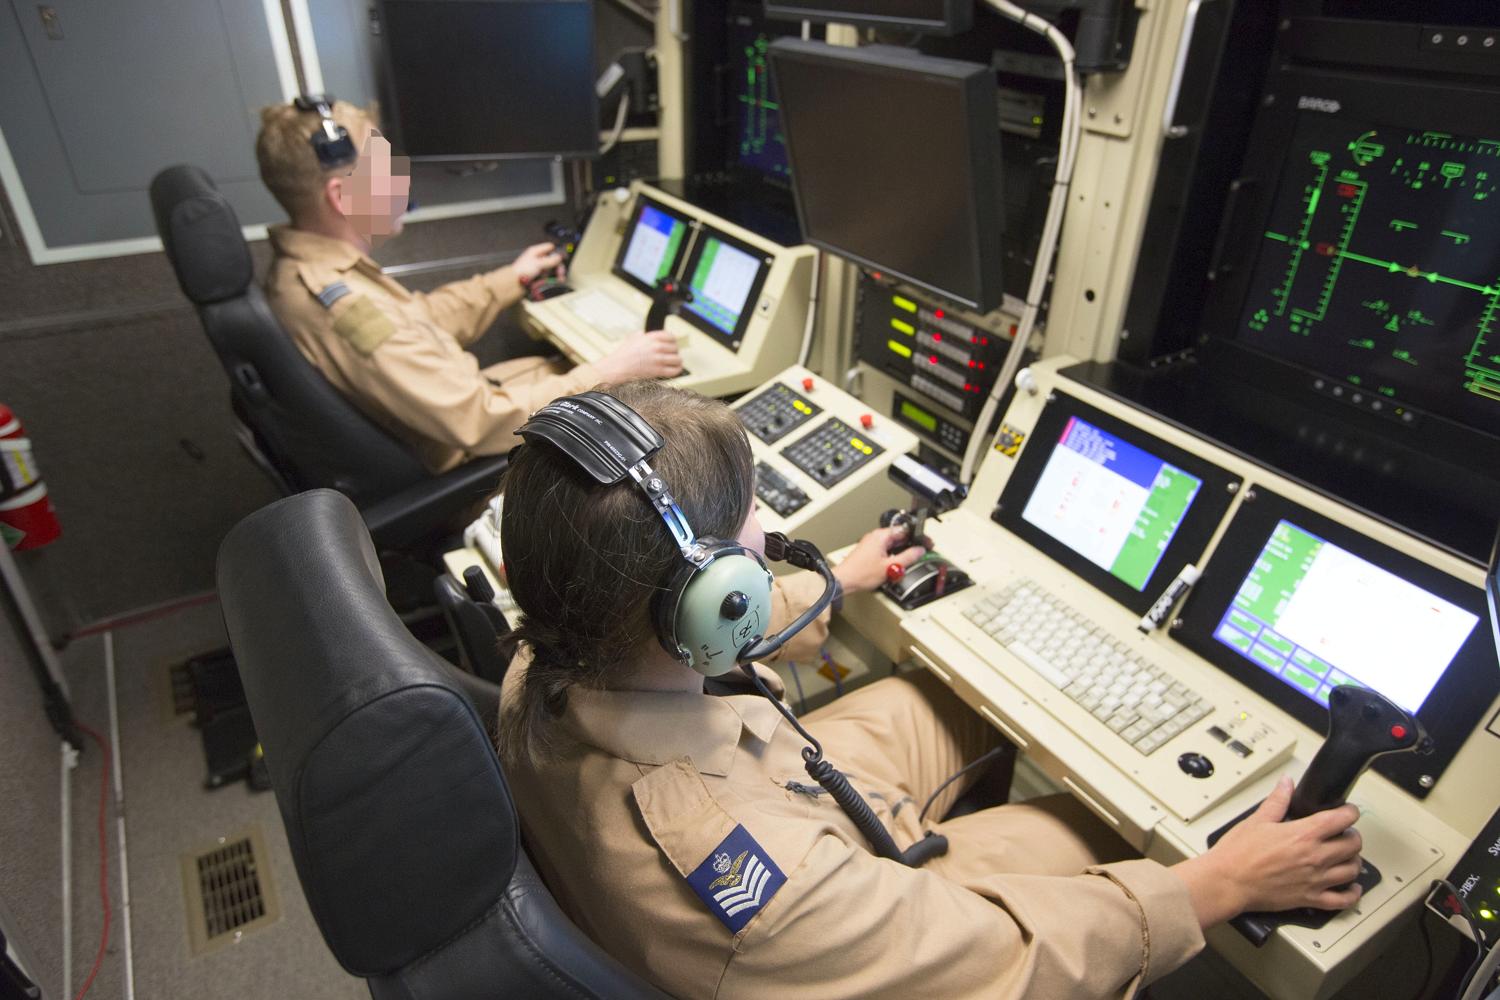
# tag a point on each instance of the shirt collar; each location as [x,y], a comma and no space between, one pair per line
[654,727]
[299,244]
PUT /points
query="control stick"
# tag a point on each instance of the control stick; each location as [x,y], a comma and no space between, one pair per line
[1362,725]
[667,300]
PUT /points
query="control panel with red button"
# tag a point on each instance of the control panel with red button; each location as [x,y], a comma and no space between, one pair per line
[821,458]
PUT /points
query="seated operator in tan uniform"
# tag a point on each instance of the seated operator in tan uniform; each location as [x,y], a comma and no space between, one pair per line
[399,355]
[680,831]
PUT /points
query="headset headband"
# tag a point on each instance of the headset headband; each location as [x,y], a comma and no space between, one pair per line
[610,441]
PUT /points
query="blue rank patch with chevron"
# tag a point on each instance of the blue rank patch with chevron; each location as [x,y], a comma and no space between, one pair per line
[736,879]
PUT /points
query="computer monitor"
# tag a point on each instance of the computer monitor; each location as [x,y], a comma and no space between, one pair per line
[652,246]
[1364,261]
[1294,604]
[758,144]
[934,17]
[491,79]
[1123,509]
[725,276]
[895,162]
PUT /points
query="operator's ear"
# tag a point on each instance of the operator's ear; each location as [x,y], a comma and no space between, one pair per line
[333,193]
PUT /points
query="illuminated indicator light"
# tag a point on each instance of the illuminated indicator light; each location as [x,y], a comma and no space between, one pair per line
[1398,732]
[1486,914]
[937,336]
[971,364]
[801,407]
[1244,716]
[933,359]
[902,326]
[857,443]
[981,366]
[899,348]
[877,275]
[939,313]
[903,303]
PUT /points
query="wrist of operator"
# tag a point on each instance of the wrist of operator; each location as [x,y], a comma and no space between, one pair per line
[1216,895]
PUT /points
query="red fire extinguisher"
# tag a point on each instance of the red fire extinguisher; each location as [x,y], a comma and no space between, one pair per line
[27,520]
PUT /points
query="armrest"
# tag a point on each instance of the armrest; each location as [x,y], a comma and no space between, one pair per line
[402,518]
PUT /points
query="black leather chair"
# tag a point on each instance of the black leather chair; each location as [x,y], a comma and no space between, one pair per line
[474,621]
[300,430]
[400,822]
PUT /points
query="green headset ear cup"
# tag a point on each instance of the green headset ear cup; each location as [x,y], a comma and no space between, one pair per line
[700,634]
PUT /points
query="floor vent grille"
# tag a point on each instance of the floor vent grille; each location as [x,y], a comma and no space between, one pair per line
[229,891]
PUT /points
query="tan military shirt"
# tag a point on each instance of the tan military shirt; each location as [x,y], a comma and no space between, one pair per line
[399,355]
[682,833]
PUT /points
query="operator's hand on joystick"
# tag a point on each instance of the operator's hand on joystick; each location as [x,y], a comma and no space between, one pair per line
[867,564]
[537,261]
[1263,864]
[641,355]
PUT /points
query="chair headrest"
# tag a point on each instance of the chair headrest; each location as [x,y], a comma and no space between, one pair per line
[201,235]
[400,823]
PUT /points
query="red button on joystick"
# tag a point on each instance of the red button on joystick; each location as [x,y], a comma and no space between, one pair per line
[1398,732]
[894,572]
[807,385]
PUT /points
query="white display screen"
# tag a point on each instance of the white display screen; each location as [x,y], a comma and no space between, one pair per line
[721,283]
[1317,616]
[1116,505]
[652,248]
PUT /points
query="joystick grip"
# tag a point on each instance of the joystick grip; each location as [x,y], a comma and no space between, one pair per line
[1362,725]
[668,300]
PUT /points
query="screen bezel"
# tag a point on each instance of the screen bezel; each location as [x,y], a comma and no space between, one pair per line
[392,92]
[1454,707]
[735,337]
[977,87]
[1203,516]
[641,203]
[958,16]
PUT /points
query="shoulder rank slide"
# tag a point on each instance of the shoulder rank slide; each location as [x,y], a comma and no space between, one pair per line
[332,294]
[737,879]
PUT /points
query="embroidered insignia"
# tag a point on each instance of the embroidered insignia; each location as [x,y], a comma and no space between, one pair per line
[332,294]
[735,890]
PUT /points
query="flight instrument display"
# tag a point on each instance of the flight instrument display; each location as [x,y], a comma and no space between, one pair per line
[1379,266]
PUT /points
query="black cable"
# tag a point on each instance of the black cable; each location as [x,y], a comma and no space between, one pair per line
[982,758]
[847,796]
[1468,916]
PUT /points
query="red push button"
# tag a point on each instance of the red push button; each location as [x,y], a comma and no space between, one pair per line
[1398,732]
[866,421]
[894,572]
[807,385]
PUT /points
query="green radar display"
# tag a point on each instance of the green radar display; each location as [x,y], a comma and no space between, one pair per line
[1380,266]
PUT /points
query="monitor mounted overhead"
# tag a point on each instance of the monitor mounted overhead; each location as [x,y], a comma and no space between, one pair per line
[491,79]
[936,17]
[895,163]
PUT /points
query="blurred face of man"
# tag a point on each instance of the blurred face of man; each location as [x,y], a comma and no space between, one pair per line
[374,197]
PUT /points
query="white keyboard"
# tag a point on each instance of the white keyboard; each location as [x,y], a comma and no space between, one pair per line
[1137,699]
[602,313]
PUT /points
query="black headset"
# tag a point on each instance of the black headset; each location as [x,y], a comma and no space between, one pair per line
[331,141]
[713,611]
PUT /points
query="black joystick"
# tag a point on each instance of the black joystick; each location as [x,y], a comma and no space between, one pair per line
[1362,725]
[668,300]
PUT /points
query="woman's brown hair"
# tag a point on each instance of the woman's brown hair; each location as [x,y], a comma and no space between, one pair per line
[584,561]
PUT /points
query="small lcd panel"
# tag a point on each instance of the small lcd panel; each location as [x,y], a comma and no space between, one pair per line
[1316,616]
[653,245]
[1294,604]
[725,276]
[1120,507]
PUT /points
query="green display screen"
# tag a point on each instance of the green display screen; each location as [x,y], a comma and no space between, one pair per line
[919,416]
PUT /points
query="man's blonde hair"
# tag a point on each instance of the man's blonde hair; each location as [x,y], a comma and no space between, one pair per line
[288,165]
